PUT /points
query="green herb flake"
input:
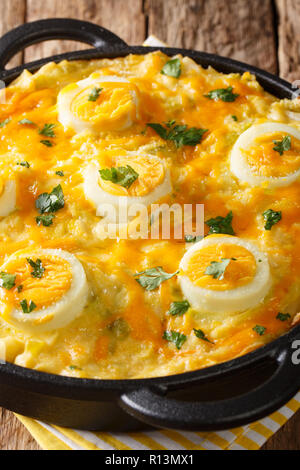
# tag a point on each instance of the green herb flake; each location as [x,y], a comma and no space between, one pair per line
[95,93]
[282,145]
[47,130]
[260,330]
[175,337]
[172,68]
[7,281]
[46,220]
[24,164]
[20,288]
[234,118]
[47,143]
[4,123]
[283,316]
[60,173]
[201,335]
[221,224]
[123,176]
[192,238]
[27,122]
[51,202]
[153,277]
[217,269]
[38,269]
[224,94]
[27,308]
[178,308]
[271,218]
[119,328]
[72,367]
[180,134]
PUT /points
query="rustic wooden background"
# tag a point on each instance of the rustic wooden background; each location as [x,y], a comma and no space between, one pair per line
[265,33]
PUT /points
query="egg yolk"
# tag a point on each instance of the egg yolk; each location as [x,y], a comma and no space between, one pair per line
[239,272]
[265,161]
[151,173]
[45,291]
[113,107]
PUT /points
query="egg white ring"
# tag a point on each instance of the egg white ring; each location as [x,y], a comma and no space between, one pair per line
[238,163]
[64,103]
[101,198]
[65,310]
[8,198]
[229,301]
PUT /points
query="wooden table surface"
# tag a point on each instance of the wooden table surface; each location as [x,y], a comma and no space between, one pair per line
[265,33]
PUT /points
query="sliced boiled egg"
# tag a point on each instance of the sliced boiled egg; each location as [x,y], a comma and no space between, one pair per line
[45,298]
[255,161]
[98,103]
[7,197]
[152,183]
[224,274]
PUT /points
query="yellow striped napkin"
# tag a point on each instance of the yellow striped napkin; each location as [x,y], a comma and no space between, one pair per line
[250,437]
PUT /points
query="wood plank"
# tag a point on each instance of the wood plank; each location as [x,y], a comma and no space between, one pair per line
[125,19]
[288,438]
[12,15]
[229,28]
[289,39]
[13,435]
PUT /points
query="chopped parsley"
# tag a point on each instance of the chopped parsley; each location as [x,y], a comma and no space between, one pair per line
[27,308]
[7,280]
[153,277]
[47,143]
[95,93]
[283,316]
[47,130]
[20,288]
[174,337]
[260,330]
[172,68]
[217,269]
[178,308]
[271,218]
[282,145]
[124,175]
[46,219]
[27,122]
[180,134]
[224,94]
[201,335]
[38,269]
[4,123]
[51,202]
[60,173]
[192,238]
[72,367]
[221,224]
[25,164]
[234,118]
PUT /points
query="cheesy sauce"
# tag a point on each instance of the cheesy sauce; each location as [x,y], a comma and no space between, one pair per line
[74,303]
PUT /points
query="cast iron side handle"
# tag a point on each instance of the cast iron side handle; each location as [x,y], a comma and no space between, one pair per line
[57,28]
[154,409]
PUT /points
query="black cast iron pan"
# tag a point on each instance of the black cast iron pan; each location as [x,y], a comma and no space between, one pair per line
[223,396]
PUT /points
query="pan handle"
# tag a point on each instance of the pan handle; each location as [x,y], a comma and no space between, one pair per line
[150,406]
[57,28]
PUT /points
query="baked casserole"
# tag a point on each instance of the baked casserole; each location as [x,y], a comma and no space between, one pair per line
[79,138]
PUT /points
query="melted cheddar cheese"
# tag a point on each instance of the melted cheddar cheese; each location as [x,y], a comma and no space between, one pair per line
[67,122]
